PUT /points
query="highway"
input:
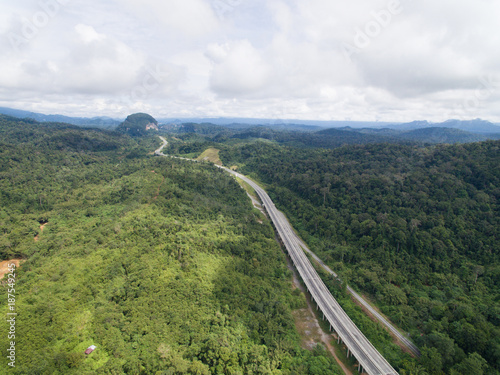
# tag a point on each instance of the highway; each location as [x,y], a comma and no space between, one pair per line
[403,339]
[159,150]
[369,359]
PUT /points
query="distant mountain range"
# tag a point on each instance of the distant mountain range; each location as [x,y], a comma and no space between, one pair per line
[275,123]
[451,131]
[444,135]
[99,122]
[473,126]
[428,134]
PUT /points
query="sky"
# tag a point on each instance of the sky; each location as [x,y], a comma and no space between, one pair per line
[363,60]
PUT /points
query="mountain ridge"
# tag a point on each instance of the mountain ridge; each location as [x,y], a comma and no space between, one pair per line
[98,121]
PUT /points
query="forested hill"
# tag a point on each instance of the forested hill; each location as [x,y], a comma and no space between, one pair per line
[138,125]
[416,229]
[59,136]
[162,264]
[309,137]
[443,135]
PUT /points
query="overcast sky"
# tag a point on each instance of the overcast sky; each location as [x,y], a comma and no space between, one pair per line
[364,60]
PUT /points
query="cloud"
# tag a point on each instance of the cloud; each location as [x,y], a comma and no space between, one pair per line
[184,18]
[97,63]
[93,64]
[288,65]
[272,58]
[88,34]
[239,69]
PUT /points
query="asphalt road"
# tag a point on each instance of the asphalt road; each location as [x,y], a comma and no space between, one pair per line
[371,361]
[368,357]
[402,338]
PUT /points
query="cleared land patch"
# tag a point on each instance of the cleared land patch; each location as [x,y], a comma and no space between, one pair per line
[211,155]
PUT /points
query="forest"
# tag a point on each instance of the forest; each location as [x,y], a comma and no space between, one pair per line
[162,264]
[302,136]
[167,268]
[414,228]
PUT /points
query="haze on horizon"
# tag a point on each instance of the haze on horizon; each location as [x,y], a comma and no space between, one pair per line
[371,60]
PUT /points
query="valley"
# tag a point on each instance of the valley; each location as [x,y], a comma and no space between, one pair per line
[411,226]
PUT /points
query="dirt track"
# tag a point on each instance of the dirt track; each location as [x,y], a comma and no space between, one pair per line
[4,266]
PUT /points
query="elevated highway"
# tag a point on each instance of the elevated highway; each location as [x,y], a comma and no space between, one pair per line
[369,359]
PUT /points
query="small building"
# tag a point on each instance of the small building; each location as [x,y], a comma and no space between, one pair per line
[90,349]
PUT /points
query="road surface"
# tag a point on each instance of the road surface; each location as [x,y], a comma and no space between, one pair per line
[402,338]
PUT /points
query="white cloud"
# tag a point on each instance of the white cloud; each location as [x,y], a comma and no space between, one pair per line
[191,18]
[274,58]
[239,69]
[88,34]
[91,63]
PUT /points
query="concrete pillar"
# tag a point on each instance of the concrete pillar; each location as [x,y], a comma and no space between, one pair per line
[338,339]
[348,353]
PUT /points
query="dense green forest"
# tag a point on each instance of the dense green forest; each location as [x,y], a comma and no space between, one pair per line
[414,228]
[163,264]
[293,135]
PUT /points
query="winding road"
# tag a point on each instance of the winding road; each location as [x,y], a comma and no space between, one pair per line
[369,359]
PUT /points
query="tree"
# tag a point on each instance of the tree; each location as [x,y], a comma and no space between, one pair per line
[412,368]
[474,364]
[431,360]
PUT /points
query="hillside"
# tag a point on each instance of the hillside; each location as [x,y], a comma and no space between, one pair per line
[163,265]
[476,126]
[418,133]
[100,122]
[304,138]
[441,135]
[415,229]
[138,125]
[203,128]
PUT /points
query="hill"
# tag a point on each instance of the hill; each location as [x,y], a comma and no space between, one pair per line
[195,128]
[414,228]
[59,136]
[99,122]
[473,126]
[477,126]
[308,137]
[138,125]
[353,136]
[287,123]
[162,264]
[441,135]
